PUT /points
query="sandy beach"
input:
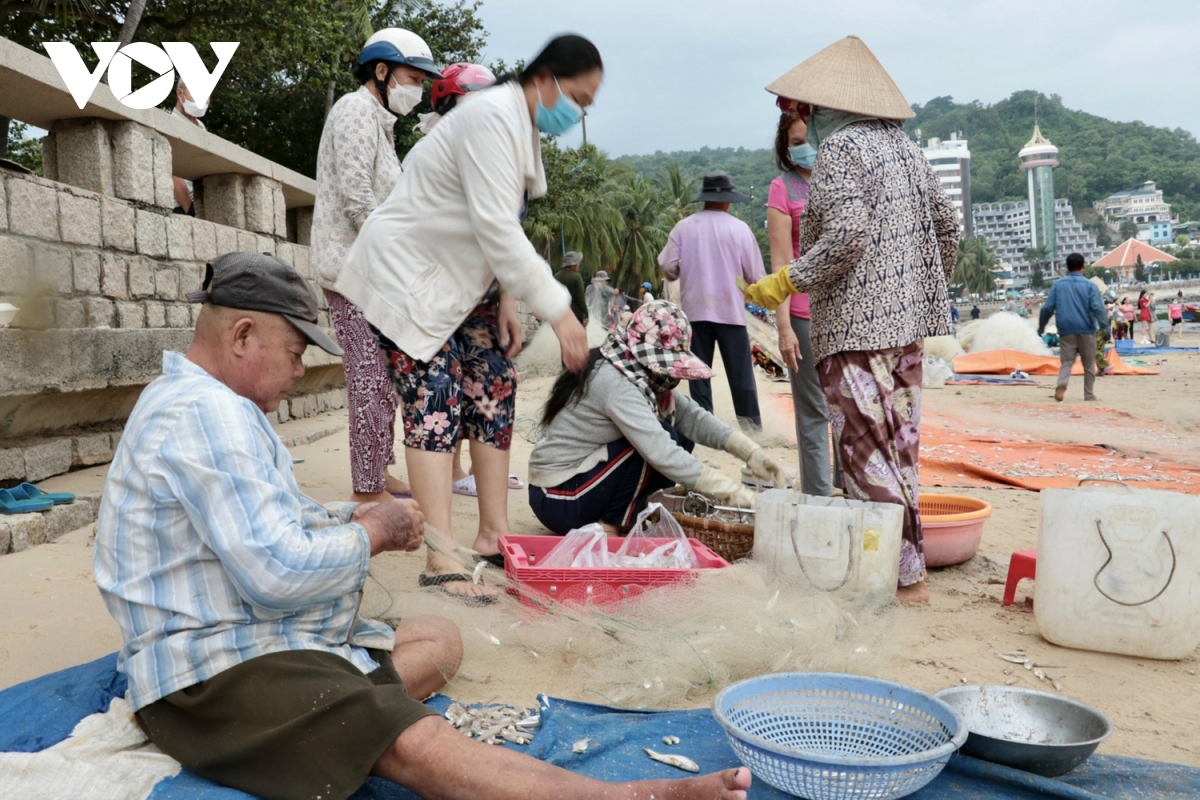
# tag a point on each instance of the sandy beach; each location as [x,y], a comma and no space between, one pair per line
[54,617]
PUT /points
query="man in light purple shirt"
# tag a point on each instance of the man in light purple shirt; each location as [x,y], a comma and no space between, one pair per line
[707,252]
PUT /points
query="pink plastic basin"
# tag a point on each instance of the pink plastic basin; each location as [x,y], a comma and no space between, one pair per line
[952,526]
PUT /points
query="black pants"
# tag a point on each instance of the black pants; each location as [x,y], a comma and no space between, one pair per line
[613,492]
[739,368]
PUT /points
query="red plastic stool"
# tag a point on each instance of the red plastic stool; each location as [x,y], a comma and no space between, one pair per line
[1023,564]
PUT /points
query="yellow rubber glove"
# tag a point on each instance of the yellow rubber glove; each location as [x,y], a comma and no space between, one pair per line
[771,291]
[761,465]
[724,490]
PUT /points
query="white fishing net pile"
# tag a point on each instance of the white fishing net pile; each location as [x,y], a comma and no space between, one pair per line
[1003,331]
[671,647]
[946,348]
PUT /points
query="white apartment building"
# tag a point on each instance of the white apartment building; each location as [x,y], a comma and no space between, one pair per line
[1006,226]
[951,160]
[1142,205]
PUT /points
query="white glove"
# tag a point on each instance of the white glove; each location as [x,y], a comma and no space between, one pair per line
[763,466]
[724,489]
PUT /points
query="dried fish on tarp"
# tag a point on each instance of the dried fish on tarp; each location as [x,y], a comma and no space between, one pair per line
[494,724]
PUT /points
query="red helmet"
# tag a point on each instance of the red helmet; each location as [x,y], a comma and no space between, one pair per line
[458,79]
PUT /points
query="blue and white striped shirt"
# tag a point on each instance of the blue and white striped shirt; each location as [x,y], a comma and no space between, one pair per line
[207,553]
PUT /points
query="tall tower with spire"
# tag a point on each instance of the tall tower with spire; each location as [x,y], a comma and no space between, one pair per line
[1038,160]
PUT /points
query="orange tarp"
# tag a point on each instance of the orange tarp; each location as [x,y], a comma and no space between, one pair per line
[1005,362]
[951,456]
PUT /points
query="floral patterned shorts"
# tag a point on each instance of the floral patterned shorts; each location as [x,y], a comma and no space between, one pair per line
[469,387]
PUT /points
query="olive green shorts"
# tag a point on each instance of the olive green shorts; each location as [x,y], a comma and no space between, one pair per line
[286,726]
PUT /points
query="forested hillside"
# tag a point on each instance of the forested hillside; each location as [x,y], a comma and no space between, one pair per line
[1098,156]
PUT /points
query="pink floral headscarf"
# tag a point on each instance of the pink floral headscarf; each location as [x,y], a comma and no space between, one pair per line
[652,351]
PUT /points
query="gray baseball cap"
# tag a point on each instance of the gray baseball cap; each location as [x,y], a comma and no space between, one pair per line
[262,282]
[571,258]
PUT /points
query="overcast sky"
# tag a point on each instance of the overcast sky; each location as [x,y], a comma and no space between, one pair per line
[682,74]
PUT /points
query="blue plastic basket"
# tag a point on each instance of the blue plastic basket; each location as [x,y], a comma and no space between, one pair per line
[825,736]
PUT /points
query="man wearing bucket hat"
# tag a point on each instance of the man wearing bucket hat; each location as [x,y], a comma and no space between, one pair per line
[619,430]
[708,253]
[880,241]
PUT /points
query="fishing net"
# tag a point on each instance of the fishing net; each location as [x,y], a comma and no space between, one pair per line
[1003,331]
[672,646]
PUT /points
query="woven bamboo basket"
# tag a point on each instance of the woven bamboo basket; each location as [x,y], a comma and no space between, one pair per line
[731,541]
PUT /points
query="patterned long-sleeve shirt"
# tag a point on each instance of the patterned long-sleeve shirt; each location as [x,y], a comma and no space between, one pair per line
[880,241]
[357,167]
[207,553]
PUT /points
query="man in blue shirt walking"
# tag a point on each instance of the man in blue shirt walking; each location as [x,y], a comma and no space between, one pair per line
[1076,303]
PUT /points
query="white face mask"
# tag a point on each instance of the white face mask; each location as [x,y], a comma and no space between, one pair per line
[194,109]
[403,99]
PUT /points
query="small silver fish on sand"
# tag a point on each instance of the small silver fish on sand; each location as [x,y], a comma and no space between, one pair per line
[678,762]
[581,746]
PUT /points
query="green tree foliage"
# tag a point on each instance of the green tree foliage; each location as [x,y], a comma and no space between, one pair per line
[1098,156]
[24,150]
[752,171]
[1037,278]
[1109,276]
[976,261]
[1103,235]
[1139,271]
[616,218]
[1128,230]
[273,94]
[1182,240]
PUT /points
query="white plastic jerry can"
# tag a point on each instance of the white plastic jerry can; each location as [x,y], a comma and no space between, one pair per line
[1118,571]
[833,544]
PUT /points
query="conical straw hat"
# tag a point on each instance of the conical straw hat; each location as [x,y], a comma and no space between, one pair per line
[845,76]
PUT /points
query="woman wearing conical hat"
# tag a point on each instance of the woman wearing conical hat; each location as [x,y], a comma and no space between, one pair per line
[880,240]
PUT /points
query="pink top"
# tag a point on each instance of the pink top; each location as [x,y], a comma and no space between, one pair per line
[789,194]
[707,252]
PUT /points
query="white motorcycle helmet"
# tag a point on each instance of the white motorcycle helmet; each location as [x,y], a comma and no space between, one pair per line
[398,46]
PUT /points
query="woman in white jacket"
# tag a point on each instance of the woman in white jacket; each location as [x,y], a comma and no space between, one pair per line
[427,268]
[357,167]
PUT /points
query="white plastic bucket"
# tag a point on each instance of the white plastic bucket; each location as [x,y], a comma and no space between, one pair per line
[833,544]
[1118,571]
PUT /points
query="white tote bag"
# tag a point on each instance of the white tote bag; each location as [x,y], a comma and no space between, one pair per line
[834,544]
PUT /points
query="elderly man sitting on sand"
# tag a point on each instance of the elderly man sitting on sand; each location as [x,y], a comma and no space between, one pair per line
[238,596]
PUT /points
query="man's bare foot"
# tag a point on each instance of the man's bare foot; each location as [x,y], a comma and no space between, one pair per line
[731,784]
[914,593]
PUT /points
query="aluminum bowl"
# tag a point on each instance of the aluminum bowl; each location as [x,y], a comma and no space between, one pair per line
[1034,731]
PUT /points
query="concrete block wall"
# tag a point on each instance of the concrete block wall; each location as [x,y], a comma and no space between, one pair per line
[100,268]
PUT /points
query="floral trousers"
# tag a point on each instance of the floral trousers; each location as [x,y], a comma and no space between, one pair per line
[468,389]
[874,400]
[370,398]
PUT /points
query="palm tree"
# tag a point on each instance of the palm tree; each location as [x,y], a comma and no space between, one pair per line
[976,261]
[646,221]
[677,190]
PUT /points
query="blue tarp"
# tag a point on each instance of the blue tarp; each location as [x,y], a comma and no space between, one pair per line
[40,713]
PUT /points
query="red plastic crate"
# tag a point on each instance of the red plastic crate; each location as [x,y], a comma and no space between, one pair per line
[594,586]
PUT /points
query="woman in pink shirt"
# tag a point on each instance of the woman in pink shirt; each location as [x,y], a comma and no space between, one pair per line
[785,203]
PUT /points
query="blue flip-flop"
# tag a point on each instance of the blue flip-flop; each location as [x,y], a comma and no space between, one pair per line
[10,504]
[27,491]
